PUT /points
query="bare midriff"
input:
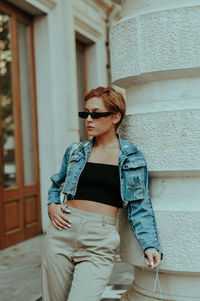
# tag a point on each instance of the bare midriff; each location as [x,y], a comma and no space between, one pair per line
[95,207]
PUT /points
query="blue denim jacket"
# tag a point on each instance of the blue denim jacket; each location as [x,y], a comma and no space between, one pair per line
[133,184]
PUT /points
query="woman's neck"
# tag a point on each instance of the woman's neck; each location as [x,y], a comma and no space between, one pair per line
[109,140]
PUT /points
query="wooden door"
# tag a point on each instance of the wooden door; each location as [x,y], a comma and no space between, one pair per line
[81,84]
[20,212]
[1,183]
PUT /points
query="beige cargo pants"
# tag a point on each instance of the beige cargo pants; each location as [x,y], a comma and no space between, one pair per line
[77,262]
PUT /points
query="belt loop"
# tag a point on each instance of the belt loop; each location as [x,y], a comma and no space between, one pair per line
[104,220]
[65,198]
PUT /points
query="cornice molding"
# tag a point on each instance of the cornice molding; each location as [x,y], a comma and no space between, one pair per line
[106,5]
[35,7]
[119,2]
[84,27]
[48,4]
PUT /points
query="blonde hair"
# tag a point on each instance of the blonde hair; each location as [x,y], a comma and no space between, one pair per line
[113,100]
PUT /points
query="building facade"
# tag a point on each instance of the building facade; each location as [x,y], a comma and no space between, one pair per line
[51,53]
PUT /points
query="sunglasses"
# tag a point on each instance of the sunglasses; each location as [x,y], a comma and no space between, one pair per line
[94,115]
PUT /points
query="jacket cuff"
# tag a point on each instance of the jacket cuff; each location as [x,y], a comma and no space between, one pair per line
[53,203]
[152,248]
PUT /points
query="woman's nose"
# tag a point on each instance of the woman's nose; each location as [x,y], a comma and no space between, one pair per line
[89,118]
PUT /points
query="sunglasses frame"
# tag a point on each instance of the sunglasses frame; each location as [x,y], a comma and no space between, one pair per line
[94,115]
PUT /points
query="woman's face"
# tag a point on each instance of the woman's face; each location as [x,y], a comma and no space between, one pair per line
[103,125]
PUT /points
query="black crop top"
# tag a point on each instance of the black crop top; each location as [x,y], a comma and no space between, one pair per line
[100,183]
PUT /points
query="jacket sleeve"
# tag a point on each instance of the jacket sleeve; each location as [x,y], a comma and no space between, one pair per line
[142,219]
[58,179]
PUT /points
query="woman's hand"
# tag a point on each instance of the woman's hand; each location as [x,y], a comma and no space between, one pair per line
[57,216]
[153,258]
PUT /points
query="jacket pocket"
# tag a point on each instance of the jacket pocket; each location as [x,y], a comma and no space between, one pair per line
[134,164]
[73,165]
[134,178]
[137,188]
[58,178]
[75,157]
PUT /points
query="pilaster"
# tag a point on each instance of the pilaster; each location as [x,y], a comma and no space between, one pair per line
[155,56]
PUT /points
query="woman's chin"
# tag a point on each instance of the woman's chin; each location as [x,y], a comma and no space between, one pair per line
[91,132]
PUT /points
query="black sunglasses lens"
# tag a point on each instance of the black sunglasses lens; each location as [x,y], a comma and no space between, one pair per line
[83,114]
[94,115]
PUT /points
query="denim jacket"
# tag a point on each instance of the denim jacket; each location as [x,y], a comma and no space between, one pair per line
[133,186]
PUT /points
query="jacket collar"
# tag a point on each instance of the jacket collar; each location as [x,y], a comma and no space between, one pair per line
[126,146]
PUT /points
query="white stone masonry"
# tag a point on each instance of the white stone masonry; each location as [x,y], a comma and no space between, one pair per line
[155,56]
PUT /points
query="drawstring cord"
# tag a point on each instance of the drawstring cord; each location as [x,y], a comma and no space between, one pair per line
[157,280]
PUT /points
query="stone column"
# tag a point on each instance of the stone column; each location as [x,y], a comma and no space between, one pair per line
[155,56]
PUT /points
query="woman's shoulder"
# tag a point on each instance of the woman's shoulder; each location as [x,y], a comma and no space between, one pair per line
[131,149]
[128,145]
[77,146]
[71,148]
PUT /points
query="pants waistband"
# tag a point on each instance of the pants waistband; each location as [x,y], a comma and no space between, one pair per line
[92,216]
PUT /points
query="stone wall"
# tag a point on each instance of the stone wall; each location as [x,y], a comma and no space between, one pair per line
[155,56]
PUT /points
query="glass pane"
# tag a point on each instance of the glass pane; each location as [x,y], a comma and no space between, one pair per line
[26,103]
[81,103]
[6,103]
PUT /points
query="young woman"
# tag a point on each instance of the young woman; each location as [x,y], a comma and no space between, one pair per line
[97,177]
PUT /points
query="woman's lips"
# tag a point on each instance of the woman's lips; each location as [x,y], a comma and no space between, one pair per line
[89,127]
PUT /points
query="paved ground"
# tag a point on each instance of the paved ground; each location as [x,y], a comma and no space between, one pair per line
[20,278]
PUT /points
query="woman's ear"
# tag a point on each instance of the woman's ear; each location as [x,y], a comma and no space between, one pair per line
[116,117]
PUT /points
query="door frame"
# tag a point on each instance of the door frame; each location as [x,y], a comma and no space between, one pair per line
[21,192]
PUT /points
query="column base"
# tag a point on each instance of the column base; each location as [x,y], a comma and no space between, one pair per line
[174,286]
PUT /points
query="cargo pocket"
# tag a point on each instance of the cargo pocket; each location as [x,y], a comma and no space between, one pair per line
[134,175]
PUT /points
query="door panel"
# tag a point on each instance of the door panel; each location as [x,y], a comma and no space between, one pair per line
[1,183]
[20,211]
[82,85]
[26,104]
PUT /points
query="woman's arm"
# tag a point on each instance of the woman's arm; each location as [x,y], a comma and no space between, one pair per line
[58,179]
[142,220]
[57,212]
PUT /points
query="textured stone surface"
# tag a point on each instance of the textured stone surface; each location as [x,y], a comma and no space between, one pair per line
[135,8]
[155,43]
[179,238]
[169,39]
[161,74]
[124,48]
[177,192]
[169,140]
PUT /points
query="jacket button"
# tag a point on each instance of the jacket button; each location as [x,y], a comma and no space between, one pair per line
[79,168]
[121,177]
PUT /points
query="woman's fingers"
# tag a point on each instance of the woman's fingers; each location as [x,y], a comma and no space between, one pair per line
[65,209]
[59,225]
[63,217]
[156,261]
[55,225]
[63,222]
[150,261]
[58,218]
[154,258]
